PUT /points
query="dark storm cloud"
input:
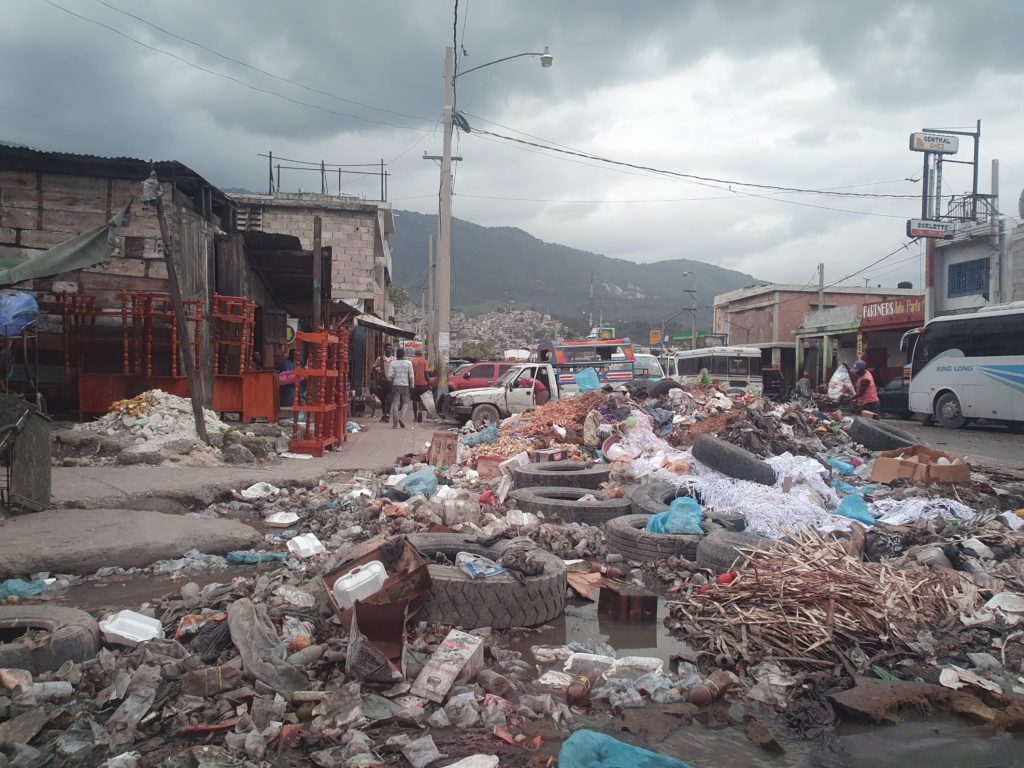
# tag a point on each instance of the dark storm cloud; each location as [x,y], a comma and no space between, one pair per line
[828,92]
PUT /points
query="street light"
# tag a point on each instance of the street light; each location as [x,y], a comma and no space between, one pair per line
[444,234]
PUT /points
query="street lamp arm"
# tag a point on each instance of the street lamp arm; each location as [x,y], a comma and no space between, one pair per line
[507,58]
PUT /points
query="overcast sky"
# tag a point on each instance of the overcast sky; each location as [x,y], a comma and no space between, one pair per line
[794,93]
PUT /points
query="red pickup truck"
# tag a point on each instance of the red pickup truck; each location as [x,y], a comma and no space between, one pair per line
[478,375]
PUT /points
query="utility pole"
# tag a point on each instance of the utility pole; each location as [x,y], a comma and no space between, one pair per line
[428,311]
[693,308]
[151,191]
[590,317]
[444,237]
[318,276]
[821,287]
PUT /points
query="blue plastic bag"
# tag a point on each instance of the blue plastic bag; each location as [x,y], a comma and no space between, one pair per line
[589,749]
[683,516]
[485,436]
[844,468]
[251,557]
[20,588]
[587,380]
[855,508]
[421,481]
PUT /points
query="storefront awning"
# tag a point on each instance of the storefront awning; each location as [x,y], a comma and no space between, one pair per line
[372,321]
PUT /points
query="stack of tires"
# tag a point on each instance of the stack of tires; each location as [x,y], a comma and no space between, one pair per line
[568,491]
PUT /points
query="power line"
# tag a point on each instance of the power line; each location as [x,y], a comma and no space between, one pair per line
[254,68]
[231,78]
[695,177]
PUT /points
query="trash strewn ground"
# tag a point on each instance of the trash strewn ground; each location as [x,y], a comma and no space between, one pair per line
[418,616]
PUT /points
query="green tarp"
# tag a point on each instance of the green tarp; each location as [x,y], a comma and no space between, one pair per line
[85,250]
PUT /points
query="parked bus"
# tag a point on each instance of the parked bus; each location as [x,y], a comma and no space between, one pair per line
[969,366]
[611,358]
[733,367]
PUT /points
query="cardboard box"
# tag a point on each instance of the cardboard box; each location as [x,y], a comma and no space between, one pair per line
[626,603]
[460,656]
[549,454]
[921,465]
[489,466]
[408,577]
[444,449]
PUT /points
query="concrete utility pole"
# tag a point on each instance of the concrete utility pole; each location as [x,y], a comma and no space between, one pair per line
[151,191]
[318,275]
[444,229]
[821,287]
[693,308]
[444,235]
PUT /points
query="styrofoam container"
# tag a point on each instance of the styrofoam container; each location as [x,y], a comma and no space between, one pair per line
[306,545]
[130,628]
[359,583]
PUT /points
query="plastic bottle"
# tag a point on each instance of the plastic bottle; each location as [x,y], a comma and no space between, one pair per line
[495,683]
[711,687]
[578,692]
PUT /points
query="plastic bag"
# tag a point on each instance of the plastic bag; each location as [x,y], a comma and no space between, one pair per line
[251,557]
[427,398]
[463,711]
[485,436]
[589,749]
[477,567]
[587,380]
[682,517]
[422,481]
[19,588]
[840,385]
[421,752]
[855,508]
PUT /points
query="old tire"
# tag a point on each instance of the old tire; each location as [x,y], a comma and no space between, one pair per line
[563,474]
[486,414]
[659,388]
[501,601]
[879,436]
[653,498]
[732,460]
[948,411]
[74,636]
[720,550]
[626,536]
[564,503]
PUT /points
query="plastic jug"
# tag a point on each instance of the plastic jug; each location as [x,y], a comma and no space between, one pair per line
[306,545]
[359,583]
[130,628]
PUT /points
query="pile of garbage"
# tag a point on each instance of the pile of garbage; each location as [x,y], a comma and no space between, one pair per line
[386,618]
[156,427]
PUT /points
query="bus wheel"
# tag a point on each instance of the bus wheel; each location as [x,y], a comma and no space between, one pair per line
[948,411]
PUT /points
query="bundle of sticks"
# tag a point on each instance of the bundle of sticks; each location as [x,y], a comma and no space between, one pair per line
[807,602]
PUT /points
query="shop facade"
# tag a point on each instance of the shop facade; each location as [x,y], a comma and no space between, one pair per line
[882,325]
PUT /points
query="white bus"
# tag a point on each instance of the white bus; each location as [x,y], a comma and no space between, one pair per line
[732,367]
[970,366]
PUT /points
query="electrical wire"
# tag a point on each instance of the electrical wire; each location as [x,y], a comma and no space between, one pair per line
[254,68]
[232,78]
[694,177]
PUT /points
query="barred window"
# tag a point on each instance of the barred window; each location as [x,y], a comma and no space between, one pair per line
[968,278]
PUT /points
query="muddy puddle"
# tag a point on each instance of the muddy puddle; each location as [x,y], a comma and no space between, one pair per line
[100,594]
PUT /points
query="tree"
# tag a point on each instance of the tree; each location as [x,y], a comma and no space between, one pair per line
[479,349]
[399,298]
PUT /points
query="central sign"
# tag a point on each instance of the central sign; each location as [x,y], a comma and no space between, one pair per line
[943,230]
[939,143]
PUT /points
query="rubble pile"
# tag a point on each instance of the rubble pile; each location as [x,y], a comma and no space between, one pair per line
[385,618]
[156,427]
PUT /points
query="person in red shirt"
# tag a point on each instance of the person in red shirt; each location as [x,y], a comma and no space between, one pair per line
[867,395]
[421,383]
[540,390]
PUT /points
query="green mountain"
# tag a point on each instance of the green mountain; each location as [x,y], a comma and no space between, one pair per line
[496,267]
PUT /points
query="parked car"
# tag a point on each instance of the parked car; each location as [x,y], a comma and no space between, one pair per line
[894,398]
[514,392]
[477,375]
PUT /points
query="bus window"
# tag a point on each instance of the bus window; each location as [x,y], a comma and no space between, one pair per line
[688,366]
[719,366]
[739,366]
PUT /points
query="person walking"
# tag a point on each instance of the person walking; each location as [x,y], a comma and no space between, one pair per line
[401,376]
[420,384]
[380,384]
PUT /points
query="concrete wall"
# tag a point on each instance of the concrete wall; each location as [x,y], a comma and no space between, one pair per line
[361,254]
[955,253]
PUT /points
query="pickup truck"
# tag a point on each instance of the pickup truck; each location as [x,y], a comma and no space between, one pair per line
[510,394]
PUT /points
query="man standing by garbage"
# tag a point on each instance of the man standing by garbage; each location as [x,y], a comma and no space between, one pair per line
[864,382]
[803,386]
[401,376]
[380,384]
[420,384]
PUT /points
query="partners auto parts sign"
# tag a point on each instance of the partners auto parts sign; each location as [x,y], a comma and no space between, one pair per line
[905,311]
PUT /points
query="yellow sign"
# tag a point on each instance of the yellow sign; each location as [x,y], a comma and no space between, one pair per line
[655,336]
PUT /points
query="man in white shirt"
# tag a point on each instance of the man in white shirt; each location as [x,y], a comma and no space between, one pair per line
[401,376]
